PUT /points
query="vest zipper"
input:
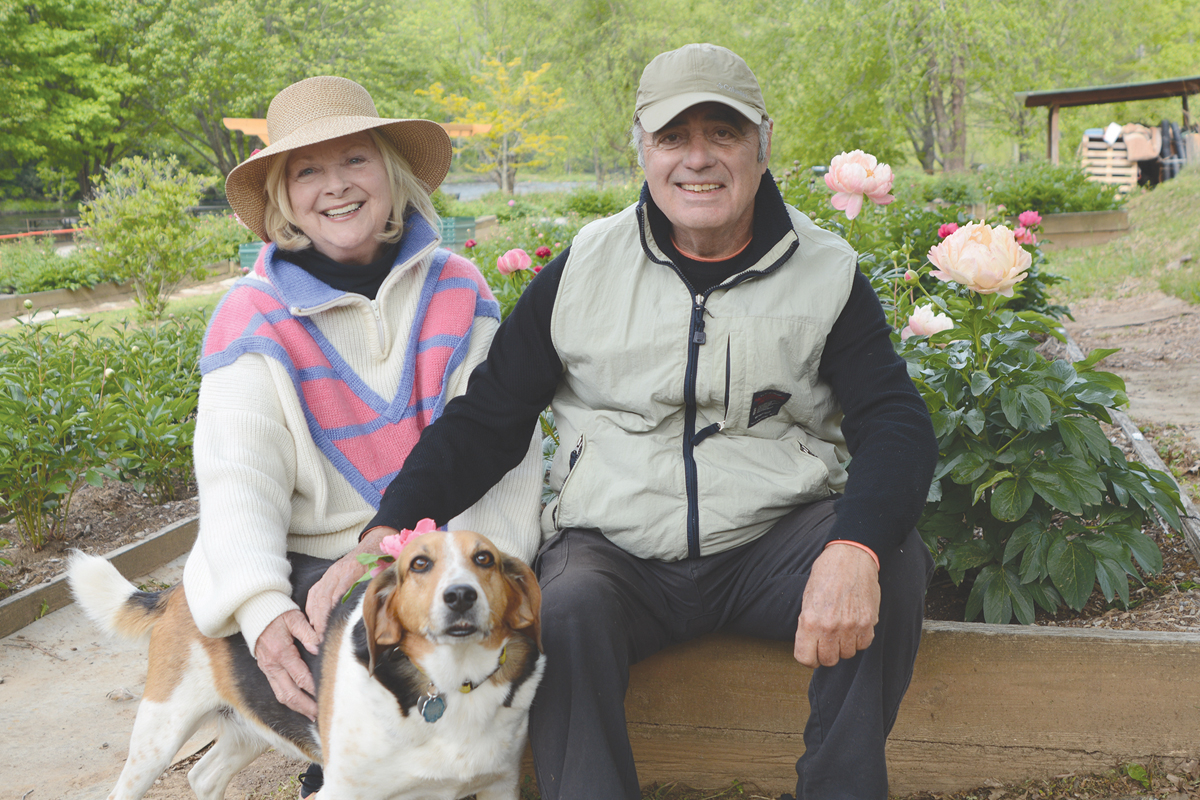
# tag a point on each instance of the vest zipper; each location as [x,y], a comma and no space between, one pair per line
[696,338]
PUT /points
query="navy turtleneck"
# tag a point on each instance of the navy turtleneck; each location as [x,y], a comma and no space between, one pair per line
[364,279]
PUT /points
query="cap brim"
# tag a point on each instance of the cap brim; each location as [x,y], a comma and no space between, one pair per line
[423,143]
[656,115]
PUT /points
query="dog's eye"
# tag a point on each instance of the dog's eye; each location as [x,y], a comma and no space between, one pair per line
[420,564]
[484,559]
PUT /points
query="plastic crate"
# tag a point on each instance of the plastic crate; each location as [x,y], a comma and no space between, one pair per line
[248,254]
[456,230]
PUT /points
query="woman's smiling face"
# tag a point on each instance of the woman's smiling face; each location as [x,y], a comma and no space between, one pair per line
[341,197]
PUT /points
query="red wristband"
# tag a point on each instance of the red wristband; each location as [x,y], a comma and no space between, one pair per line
[363,535]
[860,546]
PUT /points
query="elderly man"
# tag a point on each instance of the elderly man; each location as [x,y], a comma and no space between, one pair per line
[713,359]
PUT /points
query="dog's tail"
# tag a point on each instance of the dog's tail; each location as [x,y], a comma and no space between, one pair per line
[114,604]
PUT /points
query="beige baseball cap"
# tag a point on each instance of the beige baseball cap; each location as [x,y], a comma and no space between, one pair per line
[697,73]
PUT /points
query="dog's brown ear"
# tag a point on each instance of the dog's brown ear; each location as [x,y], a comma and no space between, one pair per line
[524,610]
[380,619]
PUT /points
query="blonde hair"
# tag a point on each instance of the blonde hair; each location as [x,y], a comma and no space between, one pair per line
[279,220]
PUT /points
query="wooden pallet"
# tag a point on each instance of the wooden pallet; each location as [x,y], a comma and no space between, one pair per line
[1105,163]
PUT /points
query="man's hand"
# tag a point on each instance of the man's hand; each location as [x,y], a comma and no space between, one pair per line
[281,663]
[840,607]
[328,592]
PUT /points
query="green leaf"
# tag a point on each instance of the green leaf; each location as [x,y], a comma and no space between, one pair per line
[1094,357]
[1144,549]
[1011,499]
[1082,436]
[1051,487]
[992,481]
[1036,406]
[968,468]
[981,382]
[1073,570]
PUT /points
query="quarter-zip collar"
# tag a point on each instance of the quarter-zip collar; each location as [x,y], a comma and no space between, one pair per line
[306,294]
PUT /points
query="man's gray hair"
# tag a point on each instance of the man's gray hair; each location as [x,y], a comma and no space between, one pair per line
[637,139]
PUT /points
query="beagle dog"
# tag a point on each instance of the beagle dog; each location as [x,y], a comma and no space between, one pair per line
[424,678]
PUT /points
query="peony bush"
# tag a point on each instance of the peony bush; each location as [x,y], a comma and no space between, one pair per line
[1031,505]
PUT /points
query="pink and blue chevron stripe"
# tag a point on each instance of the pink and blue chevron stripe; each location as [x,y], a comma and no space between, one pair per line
[365,436]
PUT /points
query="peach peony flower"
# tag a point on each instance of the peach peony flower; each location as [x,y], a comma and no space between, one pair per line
[946,229]
[513,261]
[924,322]
[1029,219]
[855,174]
[984,259]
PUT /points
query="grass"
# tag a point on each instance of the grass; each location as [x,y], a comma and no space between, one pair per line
[1165,232]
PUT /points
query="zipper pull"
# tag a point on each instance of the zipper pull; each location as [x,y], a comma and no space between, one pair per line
[698,336]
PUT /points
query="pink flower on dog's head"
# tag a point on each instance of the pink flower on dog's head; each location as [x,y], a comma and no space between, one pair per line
[393,545]
[513,261]
[947,229]
[1029,219]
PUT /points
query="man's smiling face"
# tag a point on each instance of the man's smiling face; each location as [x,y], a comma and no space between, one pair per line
[703,171]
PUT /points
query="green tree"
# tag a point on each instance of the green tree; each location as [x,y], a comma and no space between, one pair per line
[67,89]
[141,231]
[513,106]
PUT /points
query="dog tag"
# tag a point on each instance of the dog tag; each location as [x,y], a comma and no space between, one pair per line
[432,708]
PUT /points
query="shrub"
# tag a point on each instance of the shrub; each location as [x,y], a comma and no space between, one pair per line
[157,385]
[589,202]
[1031,505]
[35,266]
[56,421]
[1049,189]
[139,223]
[530,237]
[956,189]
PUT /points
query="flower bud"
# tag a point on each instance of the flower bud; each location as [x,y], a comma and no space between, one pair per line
[108,373]
[909,276]
[28,304]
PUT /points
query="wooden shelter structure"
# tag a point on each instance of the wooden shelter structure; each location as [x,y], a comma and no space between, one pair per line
[1056,99]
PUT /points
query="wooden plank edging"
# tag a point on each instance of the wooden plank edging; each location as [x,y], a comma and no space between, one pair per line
[133,560]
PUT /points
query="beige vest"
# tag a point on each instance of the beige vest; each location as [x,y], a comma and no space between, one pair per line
[622,325]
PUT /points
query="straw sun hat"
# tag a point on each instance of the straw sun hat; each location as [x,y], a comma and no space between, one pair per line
[316,110]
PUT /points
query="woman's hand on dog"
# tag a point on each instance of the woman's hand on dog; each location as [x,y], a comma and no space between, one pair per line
[328,592]
[280,661]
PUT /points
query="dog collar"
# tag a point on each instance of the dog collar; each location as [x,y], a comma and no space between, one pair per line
[432,705]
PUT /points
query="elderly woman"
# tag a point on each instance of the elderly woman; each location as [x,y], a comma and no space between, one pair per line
[321,368]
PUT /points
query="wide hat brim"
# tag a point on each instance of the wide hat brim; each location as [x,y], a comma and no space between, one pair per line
[423,143]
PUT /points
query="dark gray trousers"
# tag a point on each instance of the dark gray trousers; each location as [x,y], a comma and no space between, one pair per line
[603,610]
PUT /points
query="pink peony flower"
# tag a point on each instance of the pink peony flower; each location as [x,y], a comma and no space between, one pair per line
[469,243]
[543,252]
[947,229]
[855,174]
[1023,235]
[513,261]
[537,268]
[924,322]
[394,544]
[1029,219]
[512,203]
[984,259]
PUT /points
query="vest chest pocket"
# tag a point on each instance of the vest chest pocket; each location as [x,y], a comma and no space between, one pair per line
[771,366]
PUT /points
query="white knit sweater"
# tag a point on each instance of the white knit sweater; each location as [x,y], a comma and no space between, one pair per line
[266,488]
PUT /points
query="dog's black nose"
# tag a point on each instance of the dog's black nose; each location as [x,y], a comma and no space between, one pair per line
[460,598]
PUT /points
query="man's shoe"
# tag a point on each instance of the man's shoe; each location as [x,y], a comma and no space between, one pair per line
[311,781]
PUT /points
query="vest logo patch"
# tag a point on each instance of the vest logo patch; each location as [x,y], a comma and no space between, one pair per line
[766,404]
